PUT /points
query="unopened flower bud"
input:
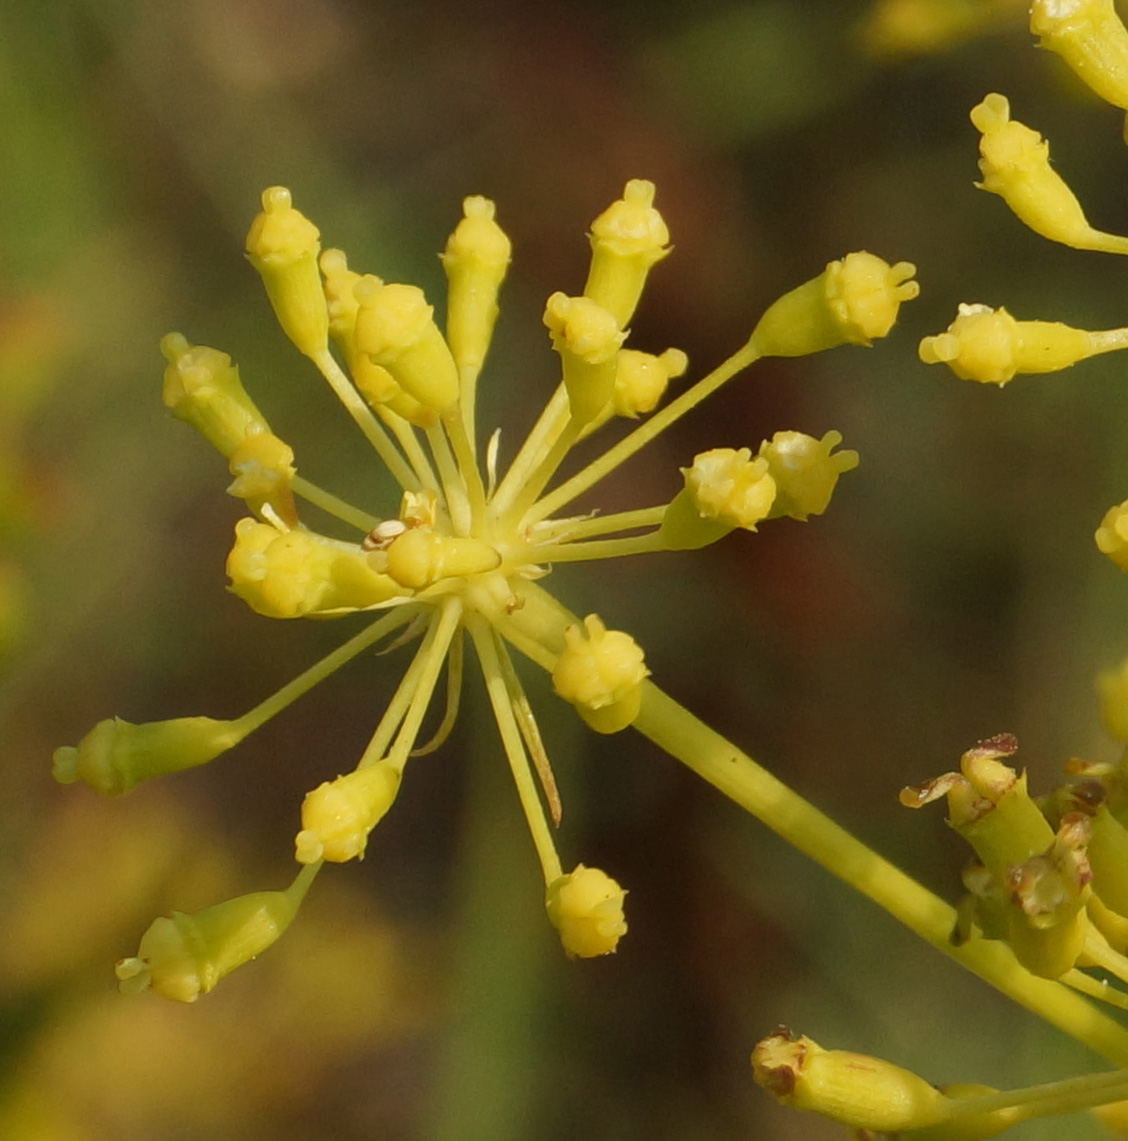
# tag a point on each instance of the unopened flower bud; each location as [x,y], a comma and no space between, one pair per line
[805,472]
[586,907]
[852,302]
[990,346]
[1112,535]
[587,337]
[117,755]
[263,467]
[294,573]
[600,672]
[1015,163]
[855,1089]
[202,388]
[475,261]
[627,239]
[185,956]
[641,379]
[395,327]
[729,486]
[420,557]
[338,815]
[1112,690]
[283,245]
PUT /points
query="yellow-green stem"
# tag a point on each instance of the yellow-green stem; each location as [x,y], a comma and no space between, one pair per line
[569,529]
[333,505]
[552,419]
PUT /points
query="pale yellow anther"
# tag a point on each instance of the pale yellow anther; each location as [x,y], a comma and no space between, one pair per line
[601,672]
[1015,163]
[588,338]
[863,1092]
[586,907]
[990,346]
[1112,691]
[263,467]
[338,815]
[853,301]
[202,388]
[283,245]
[395,327]
[294,573]
[420,557]
[117,755]
[641,379]
[1112,535]
[627,239]
[1091,38]
[805,471]
[475,260]
[185,956]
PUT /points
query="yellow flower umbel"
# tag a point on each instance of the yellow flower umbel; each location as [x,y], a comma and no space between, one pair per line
[458,551]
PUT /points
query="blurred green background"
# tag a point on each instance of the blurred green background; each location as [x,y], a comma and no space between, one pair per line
[953,590]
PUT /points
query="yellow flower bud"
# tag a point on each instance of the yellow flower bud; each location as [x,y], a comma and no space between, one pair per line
[1112,535]
[627,239]
[857,1090]
[587,337]
[1108,859]
[420,557]
[990,346]
[338,815]
[1112,690]
[117,755]
[475,261]
[282,244]
[263,467]
[600,672]
[395,327]
[851,302]
[1015,163]
[1089,36]
[729,486]
[804,471]
[340,300]
[185,956]
[641,379]
[294,573]
[586,907]
[202,388]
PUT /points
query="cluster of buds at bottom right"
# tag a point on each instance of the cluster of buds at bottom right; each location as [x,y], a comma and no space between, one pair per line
[1050,876]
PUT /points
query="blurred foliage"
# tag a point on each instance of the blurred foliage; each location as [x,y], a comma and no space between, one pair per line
[953,590]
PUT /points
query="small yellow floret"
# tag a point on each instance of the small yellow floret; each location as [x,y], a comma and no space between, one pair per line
[627,239]
[475,260]
[1112,535]
[294,573]
[395,327]
[587,337]
[117,755]
[263,467]
[202,388]
[1015,163]
[338,815]
[857,1090]
[805,472]
[641,379]
[990,346]
[1090,37]
[586,907]
[283,245]
[185,956]
[729,486]
[600,672]
[853,301]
